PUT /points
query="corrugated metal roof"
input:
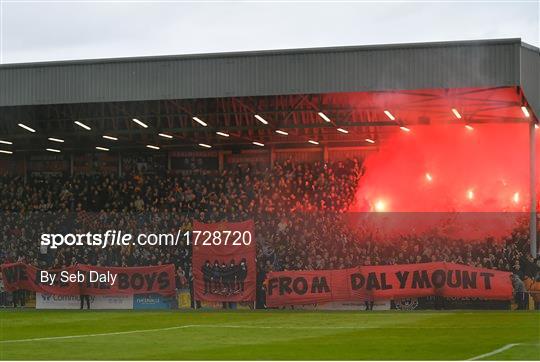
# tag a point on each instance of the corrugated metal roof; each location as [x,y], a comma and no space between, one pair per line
[530,76]
[485,63]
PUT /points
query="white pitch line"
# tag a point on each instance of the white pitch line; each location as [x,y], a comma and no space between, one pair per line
[227,326]
[329,327]
[497,351]
[95,335]
[177,327]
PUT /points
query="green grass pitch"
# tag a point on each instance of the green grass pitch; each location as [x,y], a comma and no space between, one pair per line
[263,335]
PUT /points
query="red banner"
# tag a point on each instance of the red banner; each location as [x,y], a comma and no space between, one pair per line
[386,282]
[90,280]
[224,268]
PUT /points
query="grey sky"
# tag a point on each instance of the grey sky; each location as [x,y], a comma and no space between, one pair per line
[42,30]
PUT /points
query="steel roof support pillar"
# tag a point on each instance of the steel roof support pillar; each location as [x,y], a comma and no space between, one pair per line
[532,188]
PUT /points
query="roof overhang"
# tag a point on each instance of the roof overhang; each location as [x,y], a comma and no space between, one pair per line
[419,84]
[461,64]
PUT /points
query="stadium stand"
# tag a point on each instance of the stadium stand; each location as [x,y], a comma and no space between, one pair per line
[298,210]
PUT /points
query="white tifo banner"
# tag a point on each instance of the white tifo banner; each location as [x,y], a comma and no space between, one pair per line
[352,305]
[52,301]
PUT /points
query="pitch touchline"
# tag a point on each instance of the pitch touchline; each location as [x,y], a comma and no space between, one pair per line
[95,335]
[221,326]
[328,327]
[496,351]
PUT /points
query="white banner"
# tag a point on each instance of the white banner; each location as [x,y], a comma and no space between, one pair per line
[51,301]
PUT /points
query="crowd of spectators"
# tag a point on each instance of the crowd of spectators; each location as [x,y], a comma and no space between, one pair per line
[161,203]
[299,212]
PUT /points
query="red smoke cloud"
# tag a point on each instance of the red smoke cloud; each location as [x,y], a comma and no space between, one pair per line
[449,169]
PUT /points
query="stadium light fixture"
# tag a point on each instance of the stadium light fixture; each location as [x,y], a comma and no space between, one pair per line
[429,178]
[140,123]
[223,134]
[313,142]
[405,129]
[205,145]
[342,130]
[260,119]
[525,111]
[282,132]
[6,152]
[29,129]
[390,115]
[470,194]
[469,127]
[6,142]
[165,135]
[102,148]
[110,138]
[80,124]
[56,140]
[456,113]
[515,198]
[258,144]
[52,150]
[369,140]
[200,121]
[324,116]
[153,147]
